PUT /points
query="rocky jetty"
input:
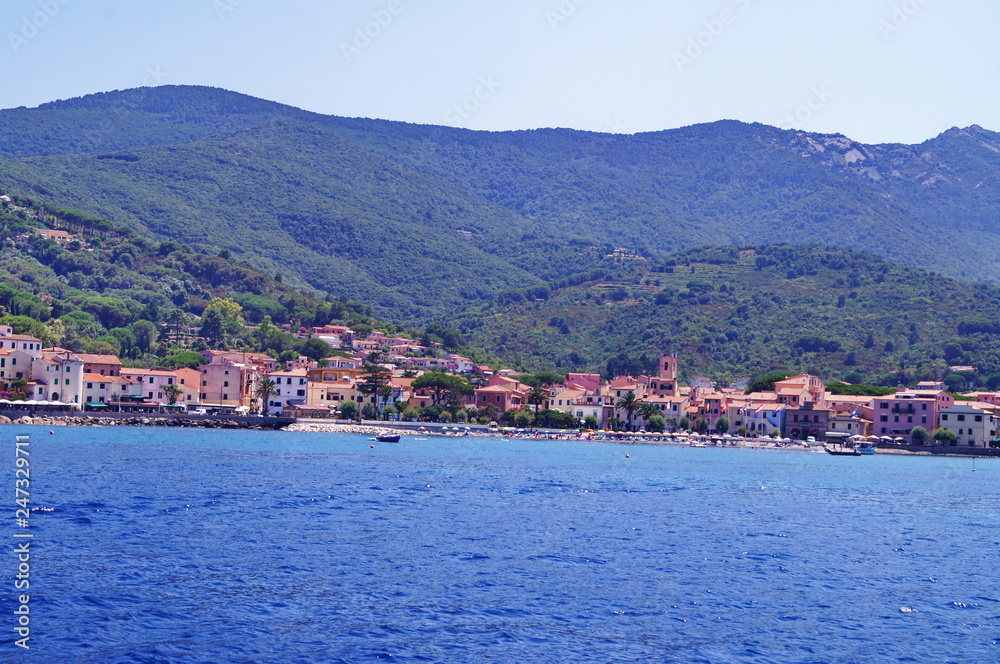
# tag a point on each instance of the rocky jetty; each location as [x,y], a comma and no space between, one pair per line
[137,420]
[332,427]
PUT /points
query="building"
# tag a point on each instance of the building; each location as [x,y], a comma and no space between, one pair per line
[895,415]
[975,425]
[104,365]
[61,237]
[150,383]
[291,387]
[101,392]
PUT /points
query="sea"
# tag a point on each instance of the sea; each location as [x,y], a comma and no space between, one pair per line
[162,545]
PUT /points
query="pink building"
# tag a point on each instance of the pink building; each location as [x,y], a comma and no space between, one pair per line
[896,415]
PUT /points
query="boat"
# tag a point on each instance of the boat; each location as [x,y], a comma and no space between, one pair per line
[840,449]
[387,438]
[839,444]
[866,447]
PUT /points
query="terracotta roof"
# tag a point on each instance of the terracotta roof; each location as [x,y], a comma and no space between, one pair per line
[98,359]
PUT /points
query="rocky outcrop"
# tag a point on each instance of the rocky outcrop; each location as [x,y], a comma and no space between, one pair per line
[138,420]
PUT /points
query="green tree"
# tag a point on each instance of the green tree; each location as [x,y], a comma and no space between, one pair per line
[765,382]
[221,321]
[265,390]
[649,410]
[173,391]
[722,424]
[656,423]
[186,358]
[628,403]
[443,387]
[684,424]
[919,435]
[944,437]
[374,381]
[590,422]
[537,397]
[316,349]
[348,409]
[542,379]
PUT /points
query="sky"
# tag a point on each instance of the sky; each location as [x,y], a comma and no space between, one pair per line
[878,71]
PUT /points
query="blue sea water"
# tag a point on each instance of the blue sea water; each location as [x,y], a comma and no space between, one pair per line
[182,545]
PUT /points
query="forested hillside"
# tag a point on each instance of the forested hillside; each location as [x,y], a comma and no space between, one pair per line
[419,221]
[108,290]
[736,312]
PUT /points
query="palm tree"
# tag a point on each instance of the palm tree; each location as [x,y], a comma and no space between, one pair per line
[537,397]
[629,403]
[173,391]
[648,410]
[265,389]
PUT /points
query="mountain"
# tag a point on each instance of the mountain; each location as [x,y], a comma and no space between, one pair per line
[423,221]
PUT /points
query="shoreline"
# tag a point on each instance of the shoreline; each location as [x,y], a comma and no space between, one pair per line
[313,426]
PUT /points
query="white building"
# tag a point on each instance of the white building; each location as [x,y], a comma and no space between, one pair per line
[974,424]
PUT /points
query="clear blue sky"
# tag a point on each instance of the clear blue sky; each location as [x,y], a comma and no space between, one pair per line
[876,70]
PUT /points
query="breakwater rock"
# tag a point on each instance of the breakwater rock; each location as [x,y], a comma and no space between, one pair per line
[146,420]
[332,427]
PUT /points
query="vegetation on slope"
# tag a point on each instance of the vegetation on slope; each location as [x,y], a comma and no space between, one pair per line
[418,221]
[736,312]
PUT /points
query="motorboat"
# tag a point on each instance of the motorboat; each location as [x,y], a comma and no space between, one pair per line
[387,438]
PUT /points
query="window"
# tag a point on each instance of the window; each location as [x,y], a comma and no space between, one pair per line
[300,393]
[979,418]
[225,396]
[90,386]
[150,380]
[204,383]
[944,417]
[885,404]
[961,418]
[225,383]
[883,418]
[895,418]
[909,418]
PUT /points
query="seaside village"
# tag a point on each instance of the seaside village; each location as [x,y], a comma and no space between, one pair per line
[228,382]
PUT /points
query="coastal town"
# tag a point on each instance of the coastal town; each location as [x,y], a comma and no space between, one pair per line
[394,379]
